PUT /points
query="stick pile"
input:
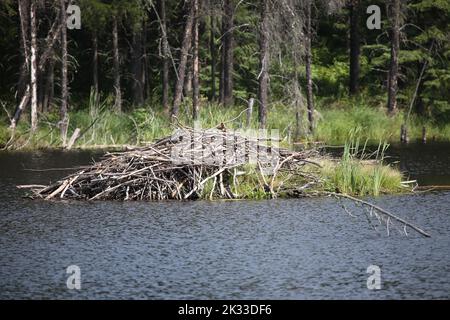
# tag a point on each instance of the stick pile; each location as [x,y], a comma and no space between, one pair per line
[179,167]
[191,163]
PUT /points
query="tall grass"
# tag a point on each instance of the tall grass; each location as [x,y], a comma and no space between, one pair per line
[100,126]
[359,172]
[335,121]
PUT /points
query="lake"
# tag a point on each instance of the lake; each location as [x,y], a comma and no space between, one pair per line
[277,249]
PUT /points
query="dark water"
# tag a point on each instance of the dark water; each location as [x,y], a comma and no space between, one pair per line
[428,163]
[293,249]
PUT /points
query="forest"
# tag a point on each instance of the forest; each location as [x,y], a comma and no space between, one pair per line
[94,73]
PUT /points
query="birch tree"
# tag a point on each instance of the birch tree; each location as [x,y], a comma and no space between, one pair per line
[395,47]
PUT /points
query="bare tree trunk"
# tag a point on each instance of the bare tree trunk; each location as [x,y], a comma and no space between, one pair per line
[146,65]
[95,63]
[116,67]
[49,86]
[195,63]
[64,118]
[138,67]
[24,13]
[33,70]
[298,99]
[187,40]
[222,66]
[188,78]
[309,84]
[264,63]
[395,47]
[228,45]
[166,57]
[354,46]
[213,53]
[51,39]
[41,89]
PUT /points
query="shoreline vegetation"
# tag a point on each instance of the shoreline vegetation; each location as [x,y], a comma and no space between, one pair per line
[350,123]
[102,128]
[358,172]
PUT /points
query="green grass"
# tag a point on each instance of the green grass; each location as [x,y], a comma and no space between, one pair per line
[335,121]
[359,173]
[101,127]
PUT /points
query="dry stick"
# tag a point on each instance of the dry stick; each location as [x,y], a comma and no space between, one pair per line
[212,189]
[390,215]
[277,168]
[58,190]
[265,181]
[30,186]
[206,180]
[70,183]
[109,189]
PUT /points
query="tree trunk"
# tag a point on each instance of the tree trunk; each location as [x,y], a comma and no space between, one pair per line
[64,118]
[187,40]
[228,45]
[41,89]
[145,62]
[222,66]
[50,41]
[298,98]
[195,63]
[264,63]
[213,53]
[138,67]
[354,46]
[395,46]
[309,84]
[33,70]
[116,67]
[49,86]
[165,57]
[188,78]
[24,14]
[95,87]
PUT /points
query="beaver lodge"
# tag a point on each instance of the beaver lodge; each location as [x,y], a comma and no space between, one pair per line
[204,164]
[190,164]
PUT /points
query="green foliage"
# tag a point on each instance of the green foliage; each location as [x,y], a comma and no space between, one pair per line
[102,127]
[424,39]
[337,118]
[96,14]
[356,174]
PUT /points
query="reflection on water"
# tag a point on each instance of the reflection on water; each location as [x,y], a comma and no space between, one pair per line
[428,163]
[299,248]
